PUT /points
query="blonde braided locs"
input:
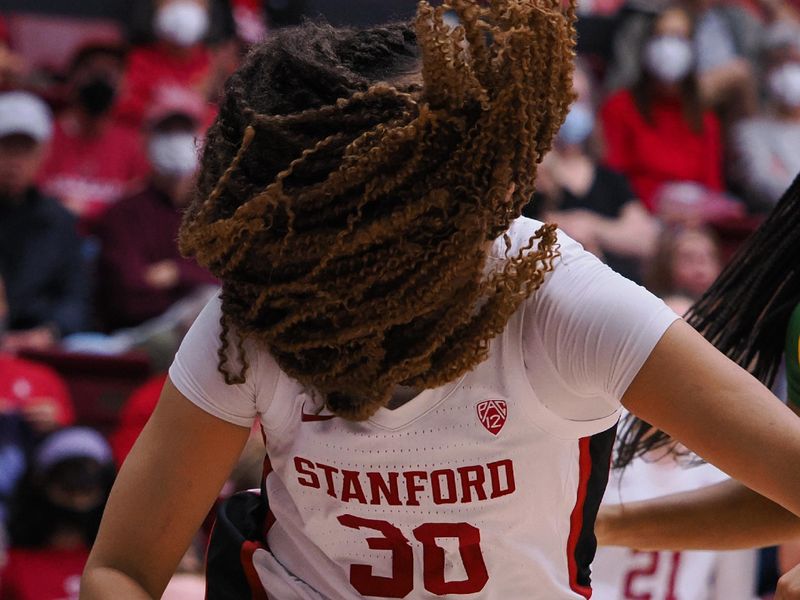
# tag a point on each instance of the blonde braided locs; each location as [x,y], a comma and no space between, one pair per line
[348,218]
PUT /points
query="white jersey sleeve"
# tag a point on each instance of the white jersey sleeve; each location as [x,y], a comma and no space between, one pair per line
[195,374]
[591,328]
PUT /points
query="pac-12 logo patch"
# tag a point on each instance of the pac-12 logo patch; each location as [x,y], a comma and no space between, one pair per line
[492,415]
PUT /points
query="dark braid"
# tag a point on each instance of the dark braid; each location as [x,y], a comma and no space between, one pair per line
[745,313]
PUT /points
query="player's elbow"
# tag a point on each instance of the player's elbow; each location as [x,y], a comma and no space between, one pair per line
[100,582]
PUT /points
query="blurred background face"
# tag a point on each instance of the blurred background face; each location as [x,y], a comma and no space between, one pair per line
[76,485]
[20,160]
[669,53]
[674,23]
[695,263]
[173,153]
[95,81]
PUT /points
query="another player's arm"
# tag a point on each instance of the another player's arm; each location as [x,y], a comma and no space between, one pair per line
[726,516]
[694,393]
[164,491]
[789,585]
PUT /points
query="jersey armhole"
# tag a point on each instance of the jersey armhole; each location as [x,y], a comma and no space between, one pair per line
[545,418]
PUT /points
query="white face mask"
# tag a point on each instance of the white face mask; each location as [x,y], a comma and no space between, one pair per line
[784,83]
[578,126]
[173,154]
[184,23]
[669,58]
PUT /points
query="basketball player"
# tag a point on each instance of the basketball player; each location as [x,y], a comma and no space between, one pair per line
[751,310]
[437,379]
[726,516]
[621,573]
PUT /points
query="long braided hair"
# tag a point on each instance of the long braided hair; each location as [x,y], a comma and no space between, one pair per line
[745,313]
[348,218]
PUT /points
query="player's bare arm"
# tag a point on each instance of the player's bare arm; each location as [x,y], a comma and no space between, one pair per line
[688,389]
[726,516]
[162,494]
[789,586]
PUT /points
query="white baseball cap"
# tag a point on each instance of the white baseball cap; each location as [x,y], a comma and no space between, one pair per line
[22,113]
[73,442]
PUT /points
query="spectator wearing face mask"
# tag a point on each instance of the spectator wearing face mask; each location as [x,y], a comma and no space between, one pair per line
[768,146]
[40,252]
[93,160]
[727,39]
[177,59]
[55,514]
[657,131]
[141,272]
[592,203]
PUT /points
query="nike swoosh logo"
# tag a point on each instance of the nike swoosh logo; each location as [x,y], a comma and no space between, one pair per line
[307,418]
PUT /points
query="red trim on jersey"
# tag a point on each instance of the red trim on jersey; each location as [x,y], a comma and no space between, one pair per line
[576,519]
[205,557]
[269,520]
[312,417]
[246,556]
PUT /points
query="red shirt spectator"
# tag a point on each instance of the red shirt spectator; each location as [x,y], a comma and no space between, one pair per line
[663,150]
[179,59]
[657,132]
[154,70]
[93,160]
[88,173]
[36,391]
[43,574]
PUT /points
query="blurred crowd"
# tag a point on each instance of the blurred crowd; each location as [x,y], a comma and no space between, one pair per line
[685,132]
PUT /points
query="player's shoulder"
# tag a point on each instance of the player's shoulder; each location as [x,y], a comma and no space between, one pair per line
[520,233]
[206,333]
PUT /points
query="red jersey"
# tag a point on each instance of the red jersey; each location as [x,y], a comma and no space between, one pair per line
[42,574]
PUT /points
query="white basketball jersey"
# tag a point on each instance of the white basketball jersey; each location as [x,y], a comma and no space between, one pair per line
[624,574]
[484,488]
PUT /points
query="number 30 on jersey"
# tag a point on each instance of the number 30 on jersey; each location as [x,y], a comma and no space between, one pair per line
[401,582]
